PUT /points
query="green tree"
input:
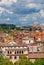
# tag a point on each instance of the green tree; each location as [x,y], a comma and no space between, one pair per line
[23,61]
[4,61]
[39,62]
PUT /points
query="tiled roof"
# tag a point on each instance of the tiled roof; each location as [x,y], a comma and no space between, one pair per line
[33,44]
[17,44]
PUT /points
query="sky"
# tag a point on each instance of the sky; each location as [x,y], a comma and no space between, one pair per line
[21,12]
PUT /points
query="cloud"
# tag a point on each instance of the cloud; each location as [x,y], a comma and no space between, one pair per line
[14,1]
[42,13]
[2,10]
[34,18]
[7,19]
[25,18]
[10,12]
[32,1]
[36,1]
[26,11]
[7,2]
[31,5]
[35,5]
[21,12]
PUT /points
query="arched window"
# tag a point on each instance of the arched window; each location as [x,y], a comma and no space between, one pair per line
[17,52]
[22,52]
[15,57]
[8,52]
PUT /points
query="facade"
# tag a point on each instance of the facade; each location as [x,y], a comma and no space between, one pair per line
[13,51]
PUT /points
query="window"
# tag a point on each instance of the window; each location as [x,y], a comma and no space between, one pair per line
[22,52]
[8,52]
[17,52]
[29,41]
[15,57]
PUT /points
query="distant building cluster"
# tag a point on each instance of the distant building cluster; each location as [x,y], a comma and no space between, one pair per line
[28,43]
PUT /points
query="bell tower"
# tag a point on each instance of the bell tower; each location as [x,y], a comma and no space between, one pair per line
[36,25]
